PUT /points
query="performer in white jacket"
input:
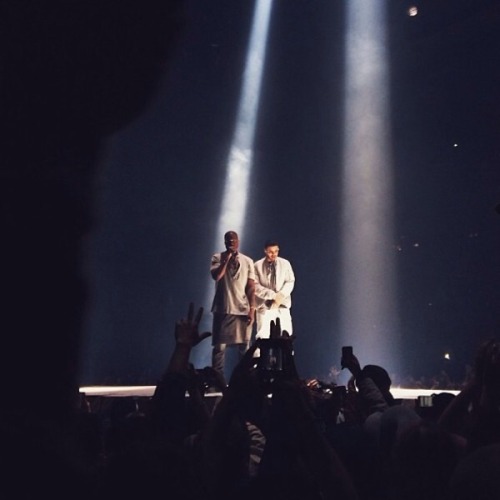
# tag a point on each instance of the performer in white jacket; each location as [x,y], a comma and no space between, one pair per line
[274,282]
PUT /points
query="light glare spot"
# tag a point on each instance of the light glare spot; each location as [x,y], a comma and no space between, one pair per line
[412,11]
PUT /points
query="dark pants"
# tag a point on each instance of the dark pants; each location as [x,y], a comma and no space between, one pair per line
[219,355]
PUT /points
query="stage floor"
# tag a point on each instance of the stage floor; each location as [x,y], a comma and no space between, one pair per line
[148,391]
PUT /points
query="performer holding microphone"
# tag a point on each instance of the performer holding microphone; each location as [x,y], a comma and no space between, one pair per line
[233,306]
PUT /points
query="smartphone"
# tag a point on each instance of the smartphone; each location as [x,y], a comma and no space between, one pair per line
[347,354]
[347,351]
[425,401]
[271,356]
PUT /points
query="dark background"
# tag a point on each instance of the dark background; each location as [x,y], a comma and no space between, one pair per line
[159,187]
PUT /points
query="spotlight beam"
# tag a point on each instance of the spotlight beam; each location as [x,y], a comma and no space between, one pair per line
[368,312]
[239,162]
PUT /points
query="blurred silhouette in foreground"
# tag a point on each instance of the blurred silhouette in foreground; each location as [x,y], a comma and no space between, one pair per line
[73,73]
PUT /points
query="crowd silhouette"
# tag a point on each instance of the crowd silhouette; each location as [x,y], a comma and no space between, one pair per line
[268,433]
[272,434]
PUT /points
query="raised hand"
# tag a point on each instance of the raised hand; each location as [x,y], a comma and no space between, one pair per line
[186,337]
[350,362]
[186,329]
[276,332]
[285,342]
[275,329]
